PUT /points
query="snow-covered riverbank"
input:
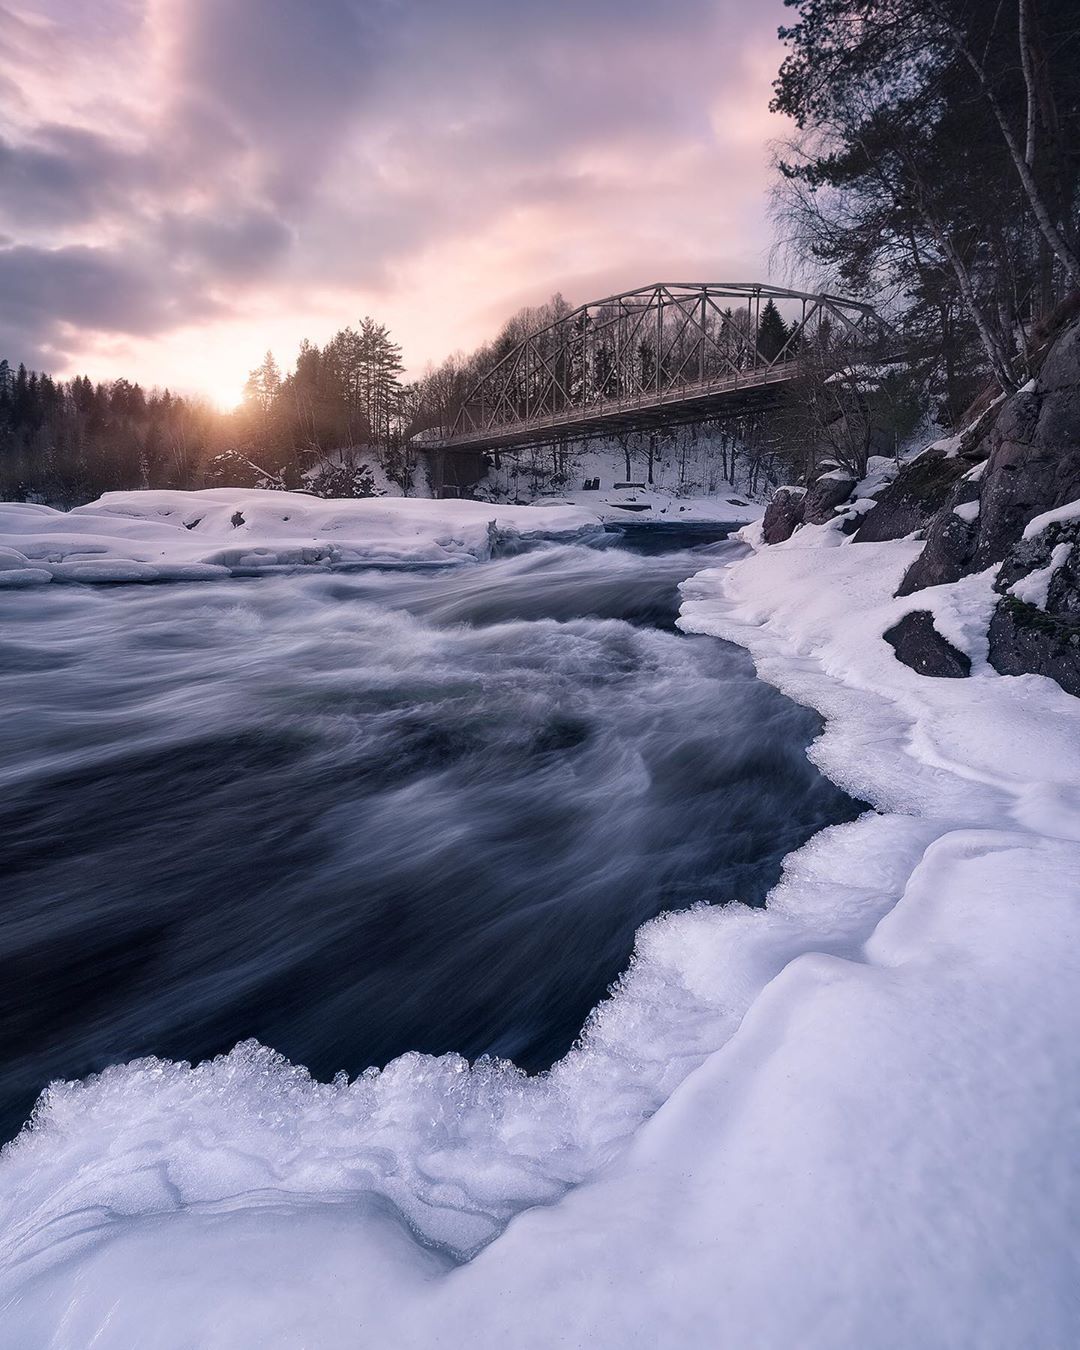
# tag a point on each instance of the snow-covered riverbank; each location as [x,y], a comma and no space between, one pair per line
[220,532]
[864,1099]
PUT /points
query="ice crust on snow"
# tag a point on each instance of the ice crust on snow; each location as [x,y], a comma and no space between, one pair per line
[188,536]
[846,1120]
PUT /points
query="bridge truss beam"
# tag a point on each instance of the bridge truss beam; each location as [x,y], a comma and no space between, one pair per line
[666,353]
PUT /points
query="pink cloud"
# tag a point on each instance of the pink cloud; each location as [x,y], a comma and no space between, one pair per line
[248,174]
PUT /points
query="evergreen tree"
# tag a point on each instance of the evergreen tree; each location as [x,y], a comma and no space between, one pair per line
[381,368]
[262,387]
[773,332]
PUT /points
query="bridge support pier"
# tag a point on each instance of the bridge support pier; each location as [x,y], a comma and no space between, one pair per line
[454,474]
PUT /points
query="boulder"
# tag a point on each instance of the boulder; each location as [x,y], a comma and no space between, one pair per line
[918,644]
[951,540]
[783,515]
[1035,628]
[914,497]
[825,495]
[1034,462]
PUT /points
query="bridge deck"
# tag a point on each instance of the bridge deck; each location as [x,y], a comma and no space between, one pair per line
[748,391]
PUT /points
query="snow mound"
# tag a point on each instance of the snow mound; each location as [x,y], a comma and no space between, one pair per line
[189,536]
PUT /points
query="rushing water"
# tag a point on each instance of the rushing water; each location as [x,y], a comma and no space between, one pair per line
[352,815]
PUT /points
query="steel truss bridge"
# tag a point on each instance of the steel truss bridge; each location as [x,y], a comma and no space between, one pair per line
[667,353]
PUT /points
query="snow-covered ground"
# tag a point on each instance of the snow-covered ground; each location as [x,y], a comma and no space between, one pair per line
[687,482]
[848,1120]
[184,536]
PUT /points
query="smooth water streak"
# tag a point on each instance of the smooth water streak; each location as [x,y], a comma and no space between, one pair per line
[357,815]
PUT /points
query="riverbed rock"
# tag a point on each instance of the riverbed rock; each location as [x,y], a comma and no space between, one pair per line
[1035,628]
[825,494]
[783,515]
[918,644]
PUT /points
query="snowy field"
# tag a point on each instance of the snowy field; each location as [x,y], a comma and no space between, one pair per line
[687,482]
[847,1120]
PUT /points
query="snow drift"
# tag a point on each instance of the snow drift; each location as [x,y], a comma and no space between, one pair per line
[188,536]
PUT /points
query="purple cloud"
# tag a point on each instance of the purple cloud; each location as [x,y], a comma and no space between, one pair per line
[213,159]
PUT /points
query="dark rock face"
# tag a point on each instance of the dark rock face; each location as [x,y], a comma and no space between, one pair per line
[918,644]
[824,496]
[1026,639]
[950,542]
[1033,465]
[913,498]
[783,515]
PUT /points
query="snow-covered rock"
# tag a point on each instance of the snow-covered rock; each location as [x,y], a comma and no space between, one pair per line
[911,499]
[1036,626]
[826,493]
[1034,588]
[784,514]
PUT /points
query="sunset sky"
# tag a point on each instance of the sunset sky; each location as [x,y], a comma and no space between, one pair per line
[186,183]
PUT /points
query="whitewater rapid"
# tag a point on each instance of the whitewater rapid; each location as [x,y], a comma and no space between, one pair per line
[352,816]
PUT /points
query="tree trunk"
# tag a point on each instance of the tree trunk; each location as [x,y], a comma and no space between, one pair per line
[1027,64]
[1053,235]
[999,358]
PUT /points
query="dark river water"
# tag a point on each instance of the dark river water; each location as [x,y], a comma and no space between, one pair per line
[357,814]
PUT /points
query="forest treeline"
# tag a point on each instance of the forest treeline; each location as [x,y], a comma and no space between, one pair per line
[934,169]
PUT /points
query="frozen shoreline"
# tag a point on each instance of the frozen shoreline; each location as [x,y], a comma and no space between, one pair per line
[867,1092]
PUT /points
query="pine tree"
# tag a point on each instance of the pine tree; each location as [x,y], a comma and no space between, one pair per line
[773,332]
[381,368]
[263,385]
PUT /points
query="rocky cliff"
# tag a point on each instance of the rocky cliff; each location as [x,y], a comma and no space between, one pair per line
[978,502]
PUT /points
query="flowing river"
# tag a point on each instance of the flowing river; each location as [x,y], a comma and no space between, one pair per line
[357,814]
